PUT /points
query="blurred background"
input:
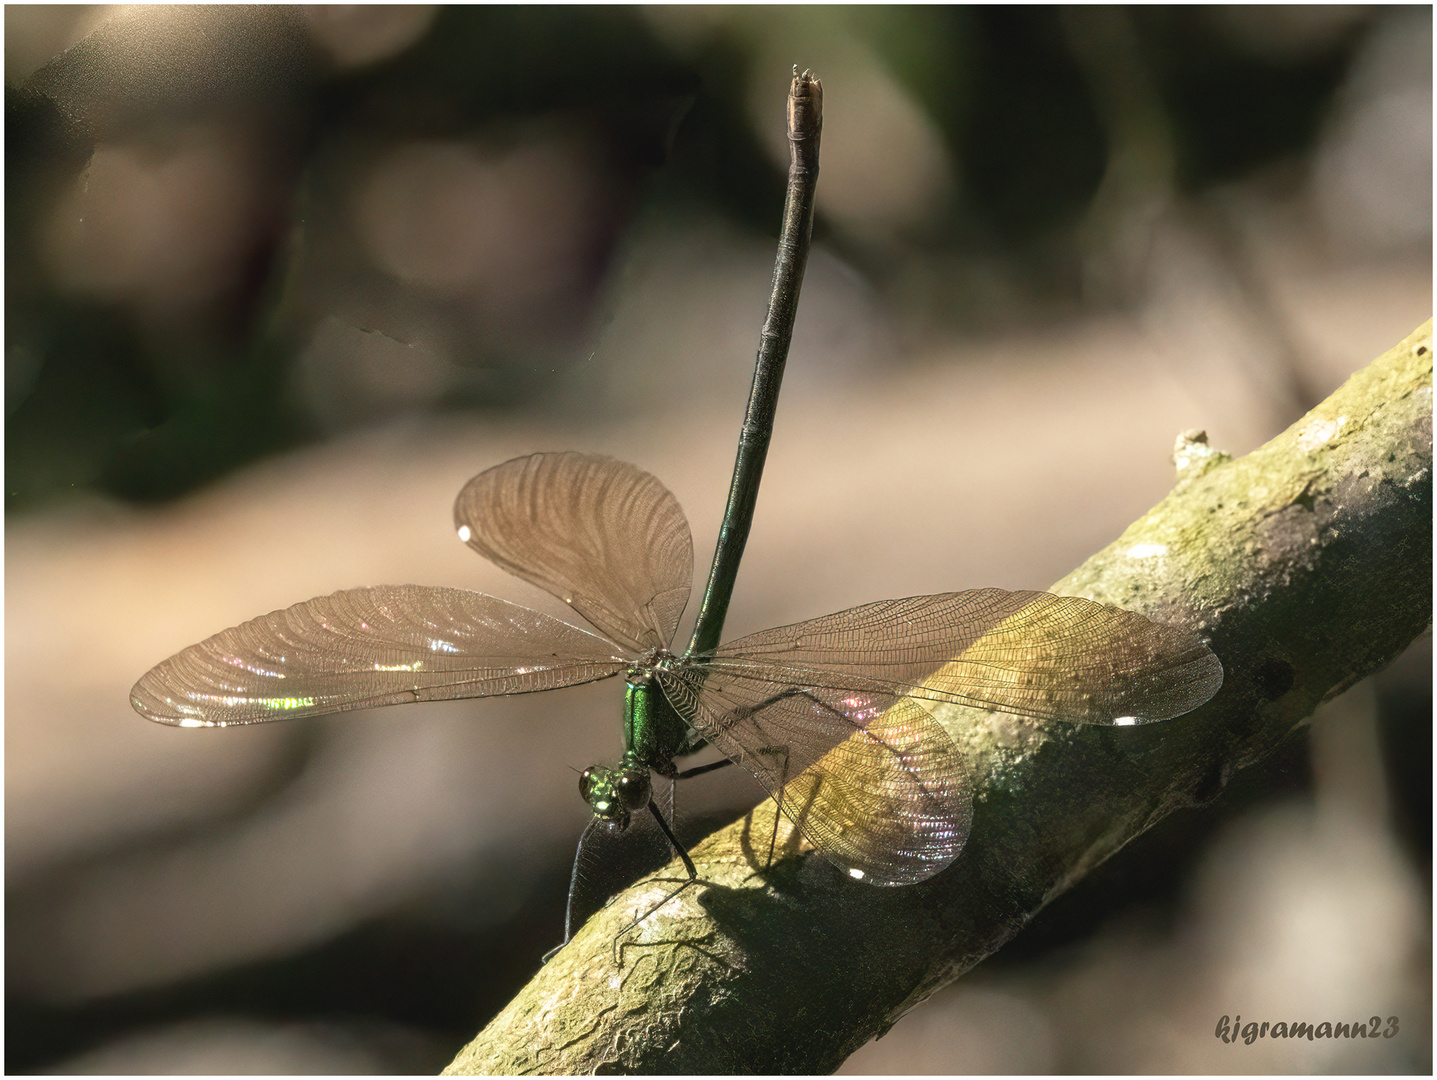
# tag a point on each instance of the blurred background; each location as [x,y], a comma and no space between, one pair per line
[279,280]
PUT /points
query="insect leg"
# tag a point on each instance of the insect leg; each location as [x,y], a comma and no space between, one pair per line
[778,803]
[673,840]
[780,750]
[699,770]
[688,865]
[688,774]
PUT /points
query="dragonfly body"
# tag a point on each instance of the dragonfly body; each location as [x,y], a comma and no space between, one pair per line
[654,735]
[832,716]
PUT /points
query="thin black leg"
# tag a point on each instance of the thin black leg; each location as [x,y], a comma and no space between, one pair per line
[673,840]
[699,770]
[688,865]
[778,809]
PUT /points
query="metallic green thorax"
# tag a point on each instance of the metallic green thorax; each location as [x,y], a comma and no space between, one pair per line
[654,734]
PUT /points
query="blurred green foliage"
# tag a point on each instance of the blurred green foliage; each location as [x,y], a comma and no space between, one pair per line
[97,397]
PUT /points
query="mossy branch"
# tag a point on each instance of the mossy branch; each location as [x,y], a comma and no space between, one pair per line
[1308,565]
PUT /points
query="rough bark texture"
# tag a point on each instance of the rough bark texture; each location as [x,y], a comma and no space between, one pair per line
[1307,563]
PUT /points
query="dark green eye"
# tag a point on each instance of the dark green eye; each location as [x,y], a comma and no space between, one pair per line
[632,789]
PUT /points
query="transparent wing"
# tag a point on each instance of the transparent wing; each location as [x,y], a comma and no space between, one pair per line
[366,647]
[601,535]
[1030,653]
[871,779]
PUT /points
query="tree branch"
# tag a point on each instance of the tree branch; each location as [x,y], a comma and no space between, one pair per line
[1307,563]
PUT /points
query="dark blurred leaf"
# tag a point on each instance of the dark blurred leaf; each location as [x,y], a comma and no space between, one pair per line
[1234,111]
[1033,151]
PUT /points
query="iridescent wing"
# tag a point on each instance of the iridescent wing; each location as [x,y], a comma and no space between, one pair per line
[827,715]
[1029,653]
[601,535]
[362,648]
[871,779]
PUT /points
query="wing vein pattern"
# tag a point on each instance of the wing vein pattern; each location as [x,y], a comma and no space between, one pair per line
[1030,653]
[362,648]
[602,535]
[871,779]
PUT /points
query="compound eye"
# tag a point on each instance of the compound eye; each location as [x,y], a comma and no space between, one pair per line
[586,783]
[633,790]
